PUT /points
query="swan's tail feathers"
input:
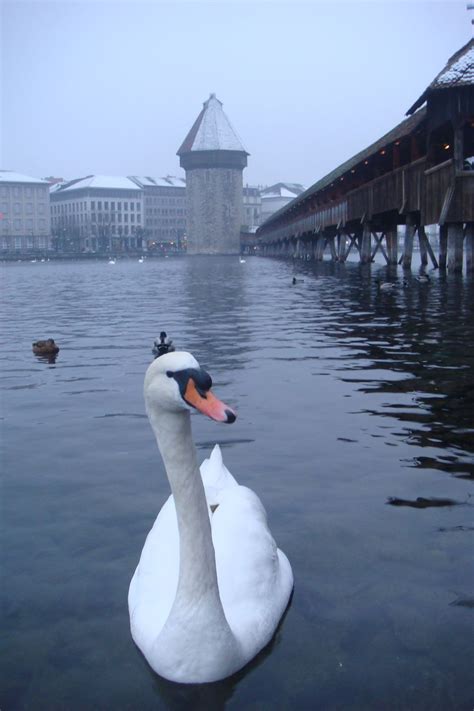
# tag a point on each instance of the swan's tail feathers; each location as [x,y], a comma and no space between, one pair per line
[215,476]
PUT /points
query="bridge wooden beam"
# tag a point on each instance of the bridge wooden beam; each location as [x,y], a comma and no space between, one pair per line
[426,247]
[379,245]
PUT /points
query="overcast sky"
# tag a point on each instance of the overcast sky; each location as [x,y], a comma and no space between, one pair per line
[113,88]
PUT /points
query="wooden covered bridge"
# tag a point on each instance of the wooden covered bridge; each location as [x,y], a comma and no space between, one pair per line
[420,173]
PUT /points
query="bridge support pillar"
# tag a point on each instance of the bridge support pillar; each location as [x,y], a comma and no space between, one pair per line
[366,246]
[443,246]
[455,244]
[341,246]
[422,239]
[408,242]
[392,245]
[469,247]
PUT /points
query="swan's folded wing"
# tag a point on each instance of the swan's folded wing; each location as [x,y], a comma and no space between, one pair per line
[255,578]
[153,586]
[216,477]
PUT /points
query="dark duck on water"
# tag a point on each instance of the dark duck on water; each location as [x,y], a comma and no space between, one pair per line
[45,348]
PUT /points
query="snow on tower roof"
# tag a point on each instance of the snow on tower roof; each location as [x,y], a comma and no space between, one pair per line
[9,176]
[212,131]
[459,71]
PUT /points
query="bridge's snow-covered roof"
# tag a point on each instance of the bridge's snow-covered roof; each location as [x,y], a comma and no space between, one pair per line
[9,176]
[212,131]
[459,71]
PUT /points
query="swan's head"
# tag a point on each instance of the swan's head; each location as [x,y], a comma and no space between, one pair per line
[175,382]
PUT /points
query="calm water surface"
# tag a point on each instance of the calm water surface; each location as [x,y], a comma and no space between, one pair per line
[346,396]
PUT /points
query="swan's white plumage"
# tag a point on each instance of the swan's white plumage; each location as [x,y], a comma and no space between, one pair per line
[254,585]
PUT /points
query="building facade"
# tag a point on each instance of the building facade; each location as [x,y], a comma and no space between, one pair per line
[213,158]
[252,207]
[165,212]
[24,213]
[98,214]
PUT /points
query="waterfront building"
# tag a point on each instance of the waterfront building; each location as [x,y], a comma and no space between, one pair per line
[24,213]
[213,157]
[252,208]
[165,212]
[97,213]
[274,197]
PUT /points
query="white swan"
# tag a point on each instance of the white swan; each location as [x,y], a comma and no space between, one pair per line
[211,585]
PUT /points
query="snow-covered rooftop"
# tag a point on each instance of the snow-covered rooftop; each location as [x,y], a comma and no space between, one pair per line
[55,187]
[459,71]
[169,181]
[212,131]
[110,182]
[9,176]
[287,190]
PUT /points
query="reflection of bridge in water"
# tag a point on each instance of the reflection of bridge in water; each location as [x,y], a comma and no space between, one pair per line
[420,173]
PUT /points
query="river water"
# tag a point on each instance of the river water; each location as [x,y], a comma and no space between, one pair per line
[346,396]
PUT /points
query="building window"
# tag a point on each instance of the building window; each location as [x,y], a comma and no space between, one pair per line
[139,207]
[132,206]
[112,206]
[93,205]
[119,205]
[125,206]
[106,205]
[132,218]
[29,224]
[17,224]
[125,218]
[42,224]
[99,205]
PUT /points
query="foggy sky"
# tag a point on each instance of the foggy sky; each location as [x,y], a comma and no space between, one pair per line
[113,87]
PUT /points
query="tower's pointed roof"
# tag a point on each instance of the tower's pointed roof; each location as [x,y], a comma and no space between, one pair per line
[212,131]
[459,71]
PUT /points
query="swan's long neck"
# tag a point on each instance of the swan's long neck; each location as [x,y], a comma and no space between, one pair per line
[197,569]
[197,615]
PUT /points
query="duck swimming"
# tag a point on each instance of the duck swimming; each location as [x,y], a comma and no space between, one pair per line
[211,585]
[47,347]
[163,345]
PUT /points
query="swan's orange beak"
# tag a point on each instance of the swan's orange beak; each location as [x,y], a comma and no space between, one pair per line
[208,404]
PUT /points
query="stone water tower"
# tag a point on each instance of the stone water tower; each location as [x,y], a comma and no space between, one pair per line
[213,157]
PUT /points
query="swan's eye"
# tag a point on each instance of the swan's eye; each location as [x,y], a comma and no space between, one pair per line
[202,380]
